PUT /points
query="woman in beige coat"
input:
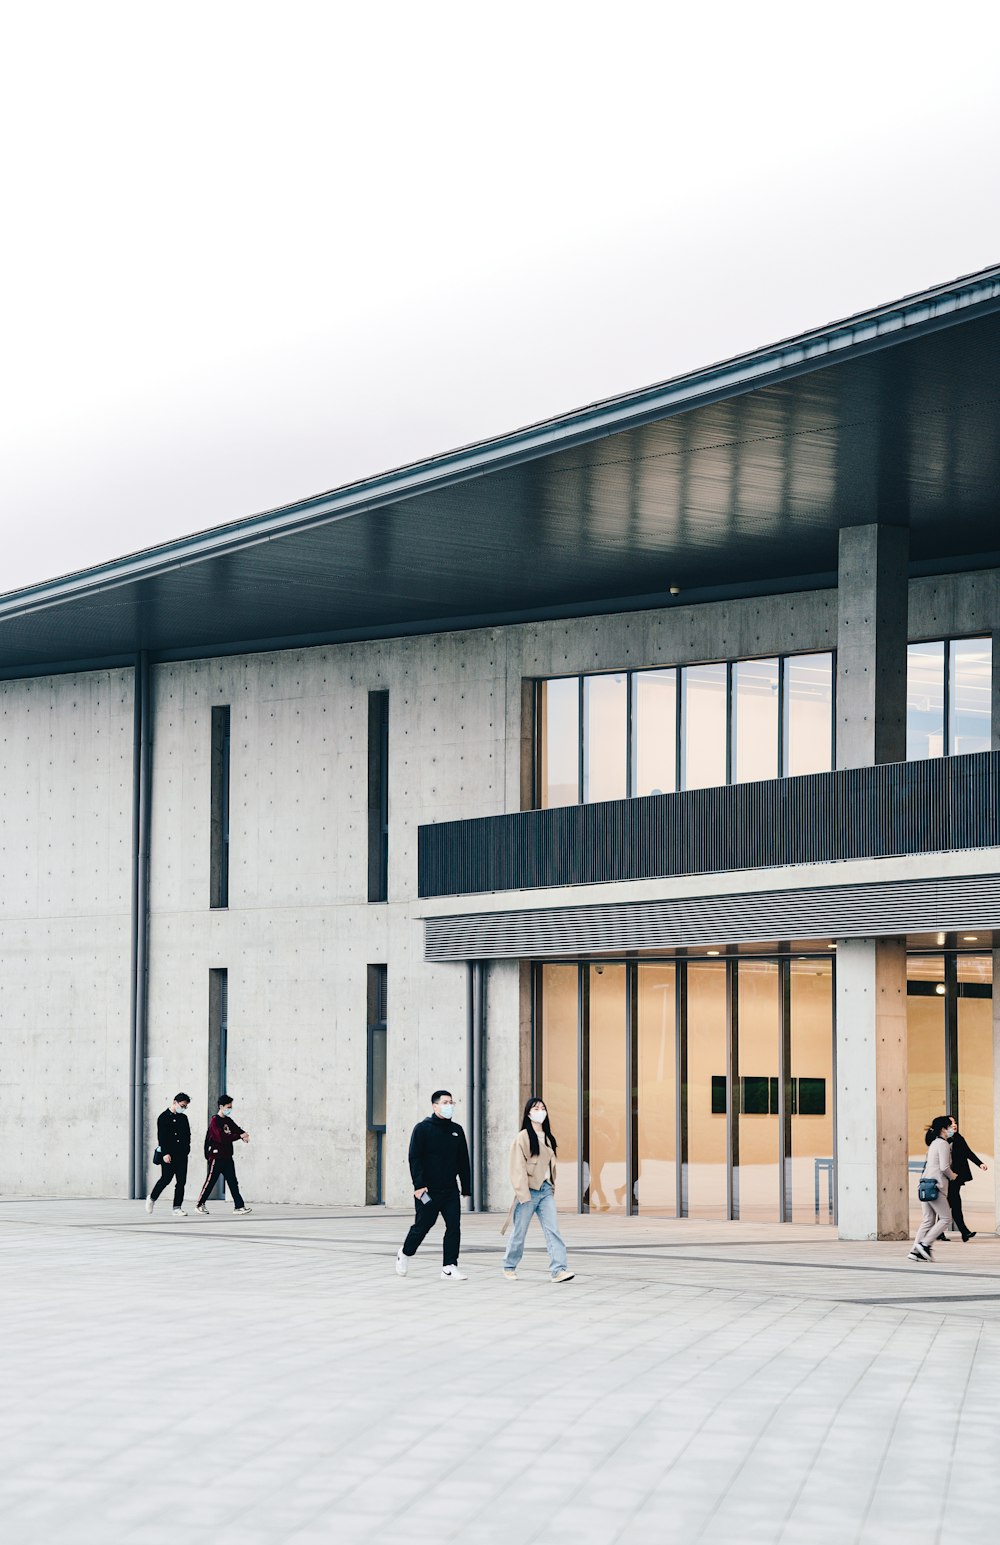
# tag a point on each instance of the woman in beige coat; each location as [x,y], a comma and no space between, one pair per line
[533,1176]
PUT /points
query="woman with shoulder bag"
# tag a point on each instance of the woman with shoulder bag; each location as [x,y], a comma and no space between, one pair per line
[533,1176]
[933,1189]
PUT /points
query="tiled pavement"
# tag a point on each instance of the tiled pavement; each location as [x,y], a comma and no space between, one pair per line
[271,1379]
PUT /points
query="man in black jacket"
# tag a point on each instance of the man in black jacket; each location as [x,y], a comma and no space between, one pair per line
[961,1154]
[173,1139]
[439,1156]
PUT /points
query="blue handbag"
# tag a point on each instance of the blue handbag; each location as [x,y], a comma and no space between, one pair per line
[927,1189]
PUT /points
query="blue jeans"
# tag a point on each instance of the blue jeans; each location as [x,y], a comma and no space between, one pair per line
[543,1203]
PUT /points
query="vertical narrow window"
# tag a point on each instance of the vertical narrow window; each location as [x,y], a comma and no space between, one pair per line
[378,796]
[218,1048]
[605,1092]
[703,725]
[924,701]
[808,728]
[377,1017]
[654,732]
[219,860]
[755,720]
[970,668]
[656,1177]
[605,737]
[559,725]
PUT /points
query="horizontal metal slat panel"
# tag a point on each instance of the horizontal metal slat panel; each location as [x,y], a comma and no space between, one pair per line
[866,812]
[828,912]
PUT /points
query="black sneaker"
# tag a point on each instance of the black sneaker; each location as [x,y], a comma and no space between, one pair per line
[944,1239]
[970,1235]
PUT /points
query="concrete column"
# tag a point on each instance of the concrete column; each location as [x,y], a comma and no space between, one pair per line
[872,1147]
[872,598]
[995,697]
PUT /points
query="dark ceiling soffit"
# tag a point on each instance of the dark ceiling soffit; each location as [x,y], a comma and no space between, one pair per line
[868,332]
[660,600]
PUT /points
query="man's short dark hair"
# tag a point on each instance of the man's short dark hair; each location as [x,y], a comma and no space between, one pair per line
[439,1094]
[185,1097]
[225,1099]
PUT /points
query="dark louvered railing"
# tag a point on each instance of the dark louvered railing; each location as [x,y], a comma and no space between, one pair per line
[864,812]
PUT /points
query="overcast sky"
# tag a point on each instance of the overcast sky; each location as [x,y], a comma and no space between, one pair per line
[252,251]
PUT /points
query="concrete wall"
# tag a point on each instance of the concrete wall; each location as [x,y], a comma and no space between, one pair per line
[65,877]
[299,933]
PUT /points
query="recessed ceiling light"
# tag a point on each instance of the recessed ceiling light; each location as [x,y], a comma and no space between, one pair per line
[970,938]
[939,989]
[831,946]
[711,952]
[940,938]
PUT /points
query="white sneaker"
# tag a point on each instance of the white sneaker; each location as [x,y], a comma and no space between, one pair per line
[179,1212]
[510,1273]
[242,1211]
[452,1274]
[202,1208]
[564,1276]
[149,1204]
[402,1265]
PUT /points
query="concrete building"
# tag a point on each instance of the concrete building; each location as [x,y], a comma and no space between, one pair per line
[648,755]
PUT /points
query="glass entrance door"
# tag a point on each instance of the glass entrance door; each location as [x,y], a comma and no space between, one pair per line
[691,1087]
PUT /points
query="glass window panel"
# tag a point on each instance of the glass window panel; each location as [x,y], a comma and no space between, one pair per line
[925,1060]
[924,701]
[756,1183]
[975,1088]
[703,725]
[969,689]
[755,720]
[560,1073]
[559,722]
[605,737]
[654,732]
[808,713]
[378,1078]
[705,1171]
[809,1187]
[605,1175]
[656,1180]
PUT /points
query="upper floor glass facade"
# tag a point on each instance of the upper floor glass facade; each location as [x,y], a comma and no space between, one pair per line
[948,697]
[616,735]
[622,734]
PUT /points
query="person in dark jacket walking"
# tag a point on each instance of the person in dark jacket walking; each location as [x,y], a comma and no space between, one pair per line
[439,1157]
[222,1133]
[961,1154]
[173,1140]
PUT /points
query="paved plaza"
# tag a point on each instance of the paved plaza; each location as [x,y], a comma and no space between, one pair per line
[271,1379]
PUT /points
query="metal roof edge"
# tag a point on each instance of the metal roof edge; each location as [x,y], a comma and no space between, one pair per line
[943,306]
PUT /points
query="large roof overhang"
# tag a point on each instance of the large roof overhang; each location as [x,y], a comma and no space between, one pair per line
[733,480]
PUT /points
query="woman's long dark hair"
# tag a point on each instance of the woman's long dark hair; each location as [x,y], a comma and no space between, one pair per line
[936,1128]
[527,1125]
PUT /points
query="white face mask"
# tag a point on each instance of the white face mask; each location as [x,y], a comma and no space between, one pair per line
[447,1111]
[537,1118]
[181,1110]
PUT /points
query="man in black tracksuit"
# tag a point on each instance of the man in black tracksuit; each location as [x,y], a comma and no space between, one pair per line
[439,1169]
[173,1139]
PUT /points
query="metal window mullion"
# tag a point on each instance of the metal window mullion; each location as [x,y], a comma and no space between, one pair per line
[946,729]
[632,1093]
[583,1085]
[784,1089]
[732,1085]
[730,724]
[581,768]
[782,751]
[680,1087]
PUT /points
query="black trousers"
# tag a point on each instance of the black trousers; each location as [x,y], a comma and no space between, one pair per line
[227,1169]
[176,1172]
[955,1202]
[447,1206]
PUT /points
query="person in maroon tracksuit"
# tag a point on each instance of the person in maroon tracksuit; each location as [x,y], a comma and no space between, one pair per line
[222,1133]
